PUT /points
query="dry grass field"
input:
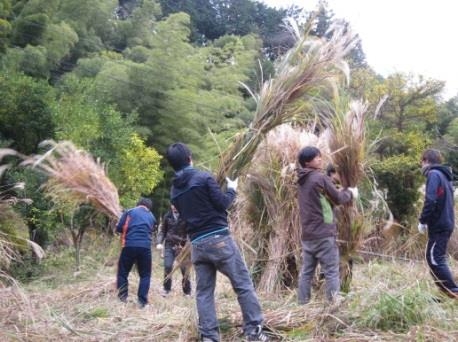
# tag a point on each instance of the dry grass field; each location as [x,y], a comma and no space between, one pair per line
[389,300]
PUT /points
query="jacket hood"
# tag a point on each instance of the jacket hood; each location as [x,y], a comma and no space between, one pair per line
[182,177]
[446,170]
[302,174]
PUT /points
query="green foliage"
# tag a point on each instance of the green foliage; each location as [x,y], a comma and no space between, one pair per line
[397,172]
[29,29]
[25,111]
[141,171]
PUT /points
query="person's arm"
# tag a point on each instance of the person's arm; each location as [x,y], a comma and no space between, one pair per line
[219,199]
[121,222]
[334,194]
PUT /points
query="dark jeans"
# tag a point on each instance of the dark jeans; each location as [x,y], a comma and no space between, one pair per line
[220,253]
[142,258]
[171,251]
[436,256]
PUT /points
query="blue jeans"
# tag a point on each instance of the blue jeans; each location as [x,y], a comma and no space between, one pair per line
[220,253]
[142,258]
[326,252]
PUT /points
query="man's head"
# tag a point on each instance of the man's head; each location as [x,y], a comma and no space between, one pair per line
[178,155]
[146,202]
[431,156]
[307,155]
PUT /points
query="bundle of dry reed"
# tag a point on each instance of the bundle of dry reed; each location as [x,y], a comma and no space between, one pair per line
[347,147]
[267,217]
[307,71]
[74,176]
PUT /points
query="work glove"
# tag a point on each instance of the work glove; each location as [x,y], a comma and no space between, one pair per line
[354,192]
[422,228]
[232,184]
[159,246]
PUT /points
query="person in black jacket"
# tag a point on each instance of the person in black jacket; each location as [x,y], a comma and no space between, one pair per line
[201,203]
[173,235]
[438,219]
[136,228]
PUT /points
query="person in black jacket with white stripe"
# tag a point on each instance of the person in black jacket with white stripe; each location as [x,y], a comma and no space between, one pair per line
[438,219]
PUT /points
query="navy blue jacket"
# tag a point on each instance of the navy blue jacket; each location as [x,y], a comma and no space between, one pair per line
[200,201]
[136,227]
[438,209]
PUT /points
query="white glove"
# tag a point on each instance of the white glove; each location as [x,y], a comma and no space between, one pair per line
[159,246]
[232,184]
[422,228]
[354,192]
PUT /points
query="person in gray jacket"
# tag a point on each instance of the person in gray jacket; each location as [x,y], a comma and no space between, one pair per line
[317,193]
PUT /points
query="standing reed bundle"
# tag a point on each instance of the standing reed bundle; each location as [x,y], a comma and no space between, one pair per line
[76,177]
[312,67]
[267,203]
[347,147]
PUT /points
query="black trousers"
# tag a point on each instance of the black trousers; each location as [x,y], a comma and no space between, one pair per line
[436,256]
[142,258]
[171,251]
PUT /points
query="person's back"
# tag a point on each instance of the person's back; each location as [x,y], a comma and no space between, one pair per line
[200,201]
[136,228]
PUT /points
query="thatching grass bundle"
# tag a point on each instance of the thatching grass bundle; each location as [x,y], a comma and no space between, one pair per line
[313,67]
[347,147]
[266,217]
[74,176]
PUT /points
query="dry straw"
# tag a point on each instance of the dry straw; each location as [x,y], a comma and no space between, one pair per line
[347,147]
[313,67]
[74,176]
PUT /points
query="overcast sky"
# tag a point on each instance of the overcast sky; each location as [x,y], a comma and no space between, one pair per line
[417,36]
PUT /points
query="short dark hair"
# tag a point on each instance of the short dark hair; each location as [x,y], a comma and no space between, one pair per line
[307,154]
[330,169]
[178,156]
[145,202]
[432,156]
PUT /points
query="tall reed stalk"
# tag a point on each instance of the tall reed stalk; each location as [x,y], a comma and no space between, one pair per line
[312,68]
[347,148]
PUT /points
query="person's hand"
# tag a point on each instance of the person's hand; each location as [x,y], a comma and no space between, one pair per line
[354,192]
[422,228]
[159,246]
[232,184]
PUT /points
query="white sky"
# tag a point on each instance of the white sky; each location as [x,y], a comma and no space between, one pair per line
[418,36]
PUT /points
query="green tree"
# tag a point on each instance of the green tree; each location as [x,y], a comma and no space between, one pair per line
[25,111]
[141,171]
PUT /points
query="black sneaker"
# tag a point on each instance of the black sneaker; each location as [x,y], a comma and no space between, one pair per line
[257,335]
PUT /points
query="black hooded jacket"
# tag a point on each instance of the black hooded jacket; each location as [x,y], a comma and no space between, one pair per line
[200,201]
[438,209]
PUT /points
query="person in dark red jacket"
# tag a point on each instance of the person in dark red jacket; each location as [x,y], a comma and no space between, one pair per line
[201,203]
[438,219]
[136,228]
